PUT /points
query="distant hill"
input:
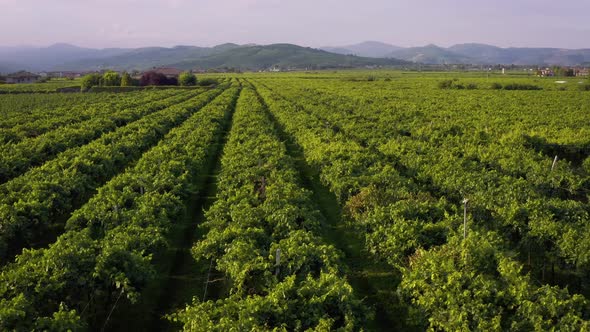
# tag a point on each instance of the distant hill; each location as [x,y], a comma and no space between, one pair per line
[37,59]
[371,49]
[247,57]
[488,54]
[284,56]
[147,57]
[430,54]
[255,57]
[481,52]
[473,53]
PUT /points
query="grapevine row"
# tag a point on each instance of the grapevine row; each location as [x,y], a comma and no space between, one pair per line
[105,256]
[19,126]
[262,234]
[17,158]
[38,199]
[400,214]
[520,189]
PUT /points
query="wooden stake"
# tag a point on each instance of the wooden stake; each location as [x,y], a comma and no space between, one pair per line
[207,281]
[554,162]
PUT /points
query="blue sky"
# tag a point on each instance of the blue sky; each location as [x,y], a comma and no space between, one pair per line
[133,23]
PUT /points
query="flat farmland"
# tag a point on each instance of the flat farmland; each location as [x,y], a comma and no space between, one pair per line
[345,200]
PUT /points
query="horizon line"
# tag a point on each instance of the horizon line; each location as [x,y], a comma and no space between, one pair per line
[39,46]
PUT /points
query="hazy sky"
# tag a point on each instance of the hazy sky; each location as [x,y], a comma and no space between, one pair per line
[132,23]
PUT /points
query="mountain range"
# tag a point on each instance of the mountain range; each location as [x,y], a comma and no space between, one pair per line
[285,56]
[65,57]
[371,49]
[471,53]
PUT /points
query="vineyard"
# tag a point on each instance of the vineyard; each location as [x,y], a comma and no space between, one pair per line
[361,200]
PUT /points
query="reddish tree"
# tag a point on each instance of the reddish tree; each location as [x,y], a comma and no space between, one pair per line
[153,78]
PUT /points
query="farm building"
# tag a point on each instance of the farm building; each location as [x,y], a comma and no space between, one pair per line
[167,71]
[547,72]
[582,72]
[22,77]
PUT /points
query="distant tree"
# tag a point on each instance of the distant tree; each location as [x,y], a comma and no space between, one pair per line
[153,78]
[563,71]
[89,81]
[126,79]
[187,79]
[111,78]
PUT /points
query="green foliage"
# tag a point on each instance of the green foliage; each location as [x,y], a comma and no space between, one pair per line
[110,78]
[520,86]
[77,128]
[261,209]
[399,157]
[187,79]
[446,84]
[62,320]
[454,84]
[127,80]
[402,183]
[92,164]
[89,81]
[496,86]
[207,82]
[467,285]
[107,248]
[319,304]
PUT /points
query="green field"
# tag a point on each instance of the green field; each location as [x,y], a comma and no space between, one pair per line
[332,200]
[47,87]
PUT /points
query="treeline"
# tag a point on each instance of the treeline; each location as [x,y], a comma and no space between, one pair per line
[149,78]
[454,84]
